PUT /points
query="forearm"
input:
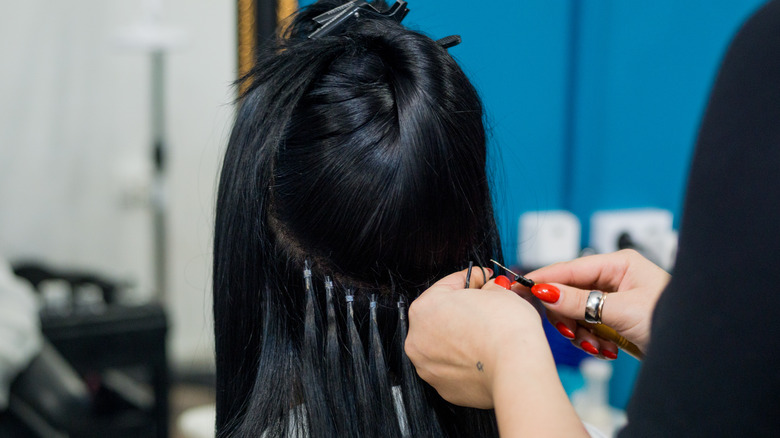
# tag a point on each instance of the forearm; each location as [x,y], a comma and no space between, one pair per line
[532,402]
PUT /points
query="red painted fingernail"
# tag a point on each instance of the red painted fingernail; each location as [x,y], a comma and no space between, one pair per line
[503,281]
[608,354]
[587,346]
[546,292]
[565,331]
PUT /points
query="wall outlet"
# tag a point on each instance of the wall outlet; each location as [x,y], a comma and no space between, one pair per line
[547,237]
[650,229]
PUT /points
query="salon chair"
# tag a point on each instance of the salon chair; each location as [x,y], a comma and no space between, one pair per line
[48,399]
[102,370]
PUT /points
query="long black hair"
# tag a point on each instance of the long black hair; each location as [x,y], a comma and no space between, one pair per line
[355,176]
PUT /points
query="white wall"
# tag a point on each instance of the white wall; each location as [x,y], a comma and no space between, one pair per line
[74,143]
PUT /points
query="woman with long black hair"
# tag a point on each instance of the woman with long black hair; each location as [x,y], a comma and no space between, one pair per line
[354,177]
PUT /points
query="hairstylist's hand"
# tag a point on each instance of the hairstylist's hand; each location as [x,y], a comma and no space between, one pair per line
[457,336]
[636,282]
[486,348]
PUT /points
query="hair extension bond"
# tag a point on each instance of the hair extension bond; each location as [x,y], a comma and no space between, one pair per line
[354,177]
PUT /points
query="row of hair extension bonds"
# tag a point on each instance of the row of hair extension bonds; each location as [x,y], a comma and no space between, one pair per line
[344,395]
[347,386]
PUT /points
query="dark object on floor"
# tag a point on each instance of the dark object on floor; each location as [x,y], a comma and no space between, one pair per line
[103,372]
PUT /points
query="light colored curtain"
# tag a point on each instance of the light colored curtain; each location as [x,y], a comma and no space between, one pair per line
[72,134]
[75,154]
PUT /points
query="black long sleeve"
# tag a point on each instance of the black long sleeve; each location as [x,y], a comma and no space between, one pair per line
[713,364]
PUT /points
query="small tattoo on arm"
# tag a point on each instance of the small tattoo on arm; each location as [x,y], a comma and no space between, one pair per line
[480,367]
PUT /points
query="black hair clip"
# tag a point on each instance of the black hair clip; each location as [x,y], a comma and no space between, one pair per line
[332,21]
[449,41]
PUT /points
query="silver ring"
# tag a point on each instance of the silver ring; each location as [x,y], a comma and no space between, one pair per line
[593,306]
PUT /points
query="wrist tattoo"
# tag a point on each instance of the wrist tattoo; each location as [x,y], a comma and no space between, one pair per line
[480,367]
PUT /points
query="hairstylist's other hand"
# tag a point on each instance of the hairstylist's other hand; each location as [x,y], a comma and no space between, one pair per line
[635,283]
[457,337]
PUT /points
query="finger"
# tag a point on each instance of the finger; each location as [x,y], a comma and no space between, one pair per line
[526,294]
[565,326]
[586,341]
[457,280]
[594,344]
[479,276]
[501,282]
[609,350]
[601,271]
[565,301]
[617,311]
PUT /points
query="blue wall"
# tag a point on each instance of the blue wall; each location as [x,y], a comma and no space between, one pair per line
[643,75]
[592,104]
